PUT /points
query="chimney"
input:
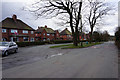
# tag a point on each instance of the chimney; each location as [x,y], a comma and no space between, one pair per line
[14,17]
[45,26]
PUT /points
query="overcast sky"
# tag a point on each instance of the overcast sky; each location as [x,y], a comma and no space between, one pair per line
[10,7]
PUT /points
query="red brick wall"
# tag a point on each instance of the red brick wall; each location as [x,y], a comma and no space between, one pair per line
[57,35]
[66,37]
[20,32]
[42,36]
[6,35]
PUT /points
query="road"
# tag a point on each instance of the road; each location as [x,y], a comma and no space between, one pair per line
[100,61]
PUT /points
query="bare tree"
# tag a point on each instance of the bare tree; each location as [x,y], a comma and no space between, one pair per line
[53,8]
[97,11]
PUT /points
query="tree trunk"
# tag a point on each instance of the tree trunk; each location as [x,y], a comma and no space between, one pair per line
[75,41]
[81,43]
[91,36]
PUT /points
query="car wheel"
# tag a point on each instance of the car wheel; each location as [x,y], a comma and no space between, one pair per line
[16,50]
[5,53]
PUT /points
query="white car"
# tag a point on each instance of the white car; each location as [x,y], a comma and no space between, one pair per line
[8,47]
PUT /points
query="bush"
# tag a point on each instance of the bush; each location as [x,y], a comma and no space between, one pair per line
[117,43]
[117,37]
[24,44]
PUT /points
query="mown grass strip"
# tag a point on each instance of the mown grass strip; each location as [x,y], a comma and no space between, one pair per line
[71,46]
[61,45]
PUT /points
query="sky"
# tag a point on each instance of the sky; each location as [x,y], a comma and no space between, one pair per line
[10,7]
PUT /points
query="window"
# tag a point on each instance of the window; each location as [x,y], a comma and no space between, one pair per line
[36,34]
[25,31]
[32,32]
[4,39]
[48,34]
[44,39]
[4,30]
[52,34]
[32,39]
[13,31]
[44,34]
[68,35]
[48,39]
[25,38]
[14,39]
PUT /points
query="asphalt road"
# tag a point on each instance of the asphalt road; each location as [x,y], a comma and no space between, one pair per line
[28,55]
[100,61]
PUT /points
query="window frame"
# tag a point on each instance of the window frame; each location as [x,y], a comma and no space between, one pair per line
[48,34]
[32,32]
[25,39]
[25,31]
[4,30]
[32,39]
[14,30]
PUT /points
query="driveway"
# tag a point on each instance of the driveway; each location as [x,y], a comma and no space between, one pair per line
[100,61]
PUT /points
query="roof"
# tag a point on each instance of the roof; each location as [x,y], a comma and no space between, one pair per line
[66,32]
[48,30]
[18,24]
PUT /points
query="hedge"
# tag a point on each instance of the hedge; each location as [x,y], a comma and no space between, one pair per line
[24,44]
[117,44]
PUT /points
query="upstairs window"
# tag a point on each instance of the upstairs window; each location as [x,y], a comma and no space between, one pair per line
[68,35]
[36,34]
[25,31]
[13,31]
[32,32]
[48,34]
[3,30]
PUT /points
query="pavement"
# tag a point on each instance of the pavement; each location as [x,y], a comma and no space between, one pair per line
[100,61]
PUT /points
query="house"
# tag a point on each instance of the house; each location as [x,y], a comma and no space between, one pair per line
[44,33]
[14,29]
[82,36]
[66,35]
[57,35]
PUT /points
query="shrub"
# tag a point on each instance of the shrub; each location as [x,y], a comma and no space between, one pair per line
[117,43]
[24,44]
[117,37]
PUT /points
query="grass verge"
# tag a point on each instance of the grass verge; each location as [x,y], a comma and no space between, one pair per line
[71,46]
[61,45]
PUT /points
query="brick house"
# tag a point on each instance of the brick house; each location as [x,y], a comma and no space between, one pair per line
[57,35]
[66,35]
[45,33]
[14,29]
[82,36]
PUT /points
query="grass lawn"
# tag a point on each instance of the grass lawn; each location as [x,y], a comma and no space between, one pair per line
[71,46]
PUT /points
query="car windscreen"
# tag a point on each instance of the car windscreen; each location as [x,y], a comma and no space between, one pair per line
[4,43]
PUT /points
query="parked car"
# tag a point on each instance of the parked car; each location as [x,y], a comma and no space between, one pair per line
[8,47]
